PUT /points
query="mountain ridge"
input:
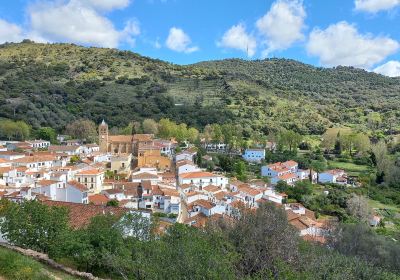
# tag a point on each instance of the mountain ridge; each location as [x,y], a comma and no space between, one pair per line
[52,84]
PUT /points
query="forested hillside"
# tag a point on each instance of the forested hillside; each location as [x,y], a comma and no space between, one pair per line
[53,84]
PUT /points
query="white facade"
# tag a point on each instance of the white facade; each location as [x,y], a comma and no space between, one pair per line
[202,179]
[93,179]
[39,144]
[254,155]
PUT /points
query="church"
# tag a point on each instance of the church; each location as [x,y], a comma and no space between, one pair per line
[121,144]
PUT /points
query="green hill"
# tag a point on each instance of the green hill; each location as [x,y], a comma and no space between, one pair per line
[53,84]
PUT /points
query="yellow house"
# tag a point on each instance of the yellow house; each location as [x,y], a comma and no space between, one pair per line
[153,158]
[92,178]
[121,164]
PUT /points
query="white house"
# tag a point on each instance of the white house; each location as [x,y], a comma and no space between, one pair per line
[273,196]
[140,176]
[185,155]
[71,150]
[39,144]
[254,155]
[8,155]
[281,171]
[201,179]
[35,162]
[185,166]
[336,176]
[206,207]
[288,178]
[49,188]
[92,178]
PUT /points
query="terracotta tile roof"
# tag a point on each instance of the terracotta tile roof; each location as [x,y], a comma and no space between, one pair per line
[287,176]
[63,148]
[143,137]
[92,171]
[157,191]
[212,188]
[145,176]
[238,204]
[185,186]
[30,159]
[2,160]
[78,186]
[199,174]
[170,192]
[221,195]
[201,202]
[80,214]
[10,153]
[120,138]
[4,170]
[291,215]
[297,223]
[46,182]
[198,221]
[290,163]
[184,162]
[98,199]
[192,193]
[335,171]
[114,191]
[249,190]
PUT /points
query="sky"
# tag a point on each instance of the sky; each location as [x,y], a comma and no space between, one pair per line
[359,33]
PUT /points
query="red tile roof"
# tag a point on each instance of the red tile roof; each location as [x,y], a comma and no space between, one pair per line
[98,199]
[80,214]
[199,174]
[78,186]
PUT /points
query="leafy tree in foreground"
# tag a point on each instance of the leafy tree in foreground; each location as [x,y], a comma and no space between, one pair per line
[33,225]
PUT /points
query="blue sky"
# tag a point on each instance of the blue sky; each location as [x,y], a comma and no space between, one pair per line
[361,33]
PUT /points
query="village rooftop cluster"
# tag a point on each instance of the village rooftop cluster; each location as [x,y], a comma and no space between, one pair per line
[141,173]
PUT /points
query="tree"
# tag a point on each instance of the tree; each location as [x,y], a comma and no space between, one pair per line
[192,134]
[166,128]
[329,138]
[317,166]
[362,143]
[380,159]
[82,129]
[150,126]
[112,202]
[358,207]
[11,130]
[240,170]
[34,225]
[289,139]
[263,239]
[47,133]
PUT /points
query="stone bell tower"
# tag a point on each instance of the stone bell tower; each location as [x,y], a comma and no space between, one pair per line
[103,137]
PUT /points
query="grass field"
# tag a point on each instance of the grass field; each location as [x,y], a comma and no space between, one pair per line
[14,266]
[350,168]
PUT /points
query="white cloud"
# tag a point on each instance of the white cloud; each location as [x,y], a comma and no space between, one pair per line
[374,6]
[237,38]
[391,69]
[78,22]
[106,5]
[179,41]
[10,32]
[342,44]
[282,25]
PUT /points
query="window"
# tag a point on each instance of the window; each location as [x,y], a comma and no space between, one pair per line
[79,179]
[85,180]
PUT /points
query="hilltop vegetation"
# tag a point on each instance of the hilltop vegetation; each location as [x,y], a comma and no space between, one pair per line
[50,85]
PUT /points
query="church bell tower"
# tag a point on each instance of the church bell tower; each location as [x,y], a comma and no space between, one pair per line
[103,137]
